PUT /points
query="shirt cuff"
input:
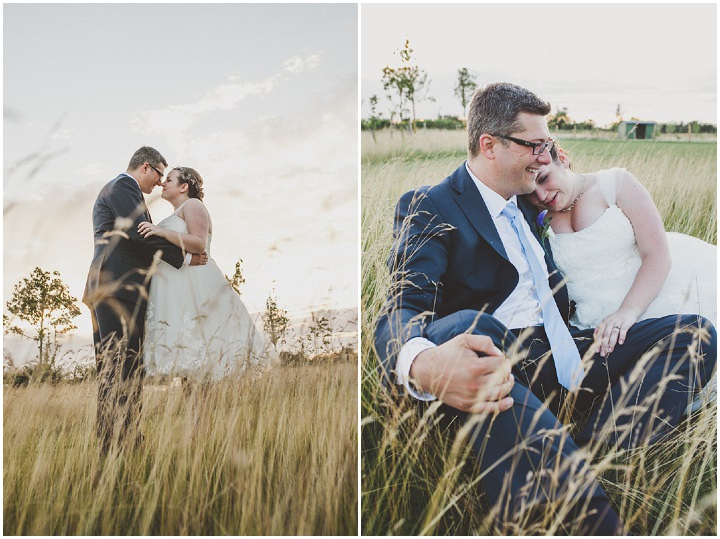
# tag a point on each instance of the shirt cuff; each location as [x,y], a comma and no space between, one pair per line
[407,355]
[188,259]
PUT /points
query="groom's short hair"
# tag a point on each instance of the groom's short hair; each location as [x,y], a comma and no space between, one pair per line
[146,154]
[494,110]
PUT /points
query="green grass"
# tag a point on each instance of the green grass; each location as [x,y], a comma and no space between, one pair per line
[417,477]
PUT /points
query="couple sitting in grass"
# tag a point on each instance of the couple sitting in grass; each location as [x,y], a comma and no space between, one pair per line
[545,333]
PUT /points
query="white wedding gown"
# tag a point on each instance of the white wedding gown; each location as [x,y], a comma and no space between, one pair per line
[196,325]
[600,263]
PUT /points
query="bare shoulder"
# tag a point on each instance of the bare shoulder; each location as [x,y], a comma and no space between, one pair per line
[628,185]
[625,178]
[195,208]
[635,200]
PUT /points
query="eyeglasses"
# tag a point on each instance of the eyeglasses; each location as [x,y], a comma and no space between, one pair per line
[537,147]
[156,170]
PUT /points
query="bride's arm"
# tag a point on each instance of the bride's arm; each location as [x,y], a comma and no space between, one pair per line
[634,200]
[196,219]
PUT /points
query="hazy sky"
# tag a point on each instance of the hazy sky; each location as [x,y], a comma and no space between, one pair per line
[260,99]
[657,61]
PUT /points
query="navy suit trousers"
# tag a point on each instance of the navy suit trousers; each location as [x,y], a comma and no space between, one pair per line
[118,334]
[530,458]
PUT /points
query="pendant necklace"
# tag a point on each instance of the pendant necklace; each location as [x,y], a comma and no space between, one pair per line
[571,206]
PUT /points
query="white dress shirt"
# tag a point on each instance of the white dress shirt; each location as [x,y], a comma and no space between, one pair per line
[521,309]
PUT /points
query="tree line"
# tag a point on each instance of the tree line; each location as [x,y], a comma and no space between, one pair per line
[42,310]
[407,84]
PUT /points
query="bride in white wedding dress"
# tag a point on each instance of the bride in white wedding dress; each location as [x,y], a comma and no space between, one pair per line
[608,241]
[196,324]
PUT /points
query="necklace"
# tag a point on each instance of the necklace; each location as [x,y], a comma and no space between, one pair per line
[572,205]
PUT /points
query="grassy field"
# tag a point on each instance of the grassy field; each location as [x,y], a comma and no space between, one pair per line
[417,477]
[270,455]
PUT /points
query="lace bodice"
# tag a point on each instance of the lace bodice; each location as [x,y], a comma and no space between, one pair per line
[588,255]
[601,261]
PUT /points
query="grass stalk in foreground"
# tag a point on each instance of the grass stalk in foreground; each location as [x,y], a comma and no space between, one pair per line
[275,455]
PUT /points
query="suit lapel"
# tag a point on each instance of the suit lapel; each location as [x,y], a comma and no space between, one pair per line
[143,206]
[473,206]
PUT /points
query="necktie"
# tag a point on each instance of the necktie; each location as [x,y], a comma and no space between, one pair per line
[567,358]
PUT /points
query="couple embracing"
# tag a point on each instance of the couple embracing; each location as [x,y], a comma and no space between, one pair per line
[158,302]
[479,317]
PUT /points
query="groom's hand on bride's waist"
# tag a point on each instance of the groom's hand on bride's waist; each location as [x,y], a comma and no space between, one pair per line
[199,259]
[458,376]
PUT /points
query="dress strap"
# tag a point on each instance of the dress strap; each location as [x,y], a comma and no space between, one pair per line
[181,205]
[607,182]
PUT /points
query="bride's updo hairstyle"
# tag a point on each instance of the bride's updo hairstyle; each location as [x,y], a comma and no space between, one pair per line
[193,180]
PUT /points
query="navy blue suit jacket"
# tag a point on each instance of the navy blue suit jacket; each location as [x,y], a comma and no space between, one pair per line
[447,256]
[122,256]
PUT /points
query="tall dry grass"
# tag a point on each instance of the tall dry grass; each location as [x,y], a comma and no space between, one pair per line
[417,475]
[268,455]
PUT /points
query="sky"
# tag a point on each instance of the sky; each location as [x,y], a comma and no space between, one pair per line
[260,99]
[657,61]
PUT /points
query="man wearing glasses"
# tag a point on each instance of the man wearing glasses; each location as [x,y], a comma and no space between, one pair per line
[477,318]
[116,292]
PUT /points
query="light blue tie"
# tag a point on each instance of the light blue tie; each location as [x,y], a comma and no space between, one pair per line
[567,358]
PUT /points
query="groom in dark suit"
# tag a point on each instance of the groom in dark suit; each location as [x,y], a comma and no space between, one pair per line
[477,317]
[117,287]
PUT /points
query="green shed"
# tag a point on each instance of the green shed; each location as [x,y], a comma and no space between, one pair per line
[636,130]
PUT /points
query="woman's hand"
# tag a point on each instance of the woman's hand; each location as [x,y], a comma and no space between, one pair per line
[146,229]
[613,330]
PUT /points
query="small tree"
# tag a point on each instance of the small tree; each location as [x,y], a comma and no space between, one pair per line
[407,81]
[560,119]
[465,87]
[320,334]
[43,302]
[375,116]
[275,321]
[237,280]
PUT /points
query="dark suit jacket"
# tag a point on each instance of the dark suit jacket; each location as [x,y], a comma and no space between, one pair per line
[447,256]
[122,256]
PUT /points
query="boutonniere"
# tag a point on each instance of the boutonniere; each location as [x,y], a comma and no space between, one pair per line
[543,223]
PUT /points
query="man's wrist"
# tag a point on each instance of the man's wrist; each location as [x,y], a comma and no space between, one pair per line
[409,352]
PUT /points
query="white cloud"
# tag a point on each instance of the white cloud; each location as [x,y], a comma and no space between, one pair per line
[174,120]
[169,122]
[297,64]
[294,64]
[227,96]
